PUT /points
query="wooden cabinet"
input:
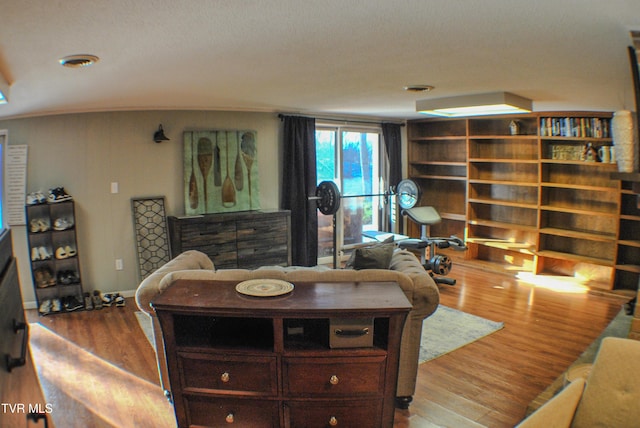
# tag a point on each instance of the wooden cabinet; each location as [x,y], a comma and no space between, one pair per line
[268,362]
[246,239]
[55,263]
[539,199]
[23,403]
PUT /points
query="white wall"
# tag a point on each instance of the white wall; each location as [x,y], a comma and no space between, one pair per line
[85,152]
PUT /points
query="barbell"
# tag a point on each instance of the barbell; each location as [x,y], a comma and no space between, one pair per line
[328,196]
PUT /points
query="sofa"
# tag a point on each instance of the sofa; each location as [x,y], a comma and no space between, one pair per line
[404,268]
[608,397]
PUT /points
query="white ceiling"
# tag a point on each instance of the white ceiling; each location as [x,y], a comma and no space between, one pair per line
[327,57]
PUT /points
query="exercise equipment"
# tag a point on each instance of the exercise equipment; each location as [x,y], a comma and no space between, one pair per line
[438,265]
[328,199]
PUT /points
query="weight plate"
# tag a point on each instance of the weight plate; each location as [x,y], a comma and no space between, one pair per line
[441,265]
[329,197]
[408,193]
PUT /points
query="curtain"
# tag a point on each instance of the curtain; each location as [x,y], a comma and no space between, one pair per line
[393,145]
[298,183]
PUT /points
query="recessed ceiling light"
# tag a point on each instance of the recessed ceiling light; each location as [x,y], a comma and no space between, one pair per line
[419,88]
[77,61]
[475,104]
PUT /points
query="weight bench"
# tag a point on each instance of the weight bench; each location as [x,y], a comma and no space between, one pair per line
[437,264]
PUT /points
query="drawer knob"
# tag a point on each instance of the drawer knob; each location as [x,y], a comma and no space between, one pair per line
[229,418]
[225,377]
[334,380]
[333,421]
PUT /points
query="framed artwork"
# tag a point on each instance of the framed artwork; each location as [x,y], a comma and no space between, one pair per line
[220,171]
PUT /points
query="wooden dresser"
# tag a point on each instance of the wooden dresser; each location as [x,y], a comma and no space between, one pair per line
[272,361]
[23,403]
[245,239]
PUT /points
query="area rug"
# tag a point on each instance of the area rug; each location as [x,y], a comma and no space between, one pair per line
[450,329]
[145,324]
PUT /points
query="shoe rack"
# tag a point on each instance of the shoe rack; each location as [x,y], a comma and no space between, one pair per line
[55,264]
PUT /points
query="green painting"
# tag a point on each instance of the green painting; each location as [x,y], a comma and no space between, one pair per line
[220,171]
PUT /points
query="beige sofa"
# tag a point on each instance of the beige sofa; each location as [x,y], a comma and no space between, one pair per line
[405,269]
[609,397]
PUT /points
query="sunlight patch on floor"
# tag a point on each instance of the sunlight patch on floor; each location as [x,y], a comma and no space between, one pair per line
[73,377]
[557,283]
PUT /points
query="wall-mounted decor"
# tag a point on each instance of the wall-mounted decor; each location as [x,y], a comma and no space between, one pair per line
[220,171]
[152,239]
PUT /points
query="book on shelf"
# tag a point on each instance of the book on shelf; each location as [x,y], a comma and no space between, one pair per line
[575,127]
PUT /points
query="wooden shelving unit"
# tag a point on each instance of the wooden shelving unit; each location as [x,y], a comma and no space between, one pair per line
[628,254]
[535,201]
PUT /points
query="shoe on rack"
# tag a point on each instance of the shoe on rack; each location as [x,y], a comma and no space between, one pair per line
[70,251]
[119,300]
[44,224]
[61,254]
[44,253]
[45,307]
[63,277]
[62,223]
[71,304]
[35,254]
[36,198]
[38,225]
[73,277]
[97,299]
[58,194]
[88,303]
[43,277]
[56,306]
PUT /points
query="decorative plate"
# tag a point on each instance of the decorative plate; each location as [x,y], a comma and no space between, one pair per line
[264,287]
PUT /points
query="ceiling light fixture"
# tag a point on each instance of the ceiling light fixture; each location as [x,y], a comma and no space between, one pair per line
[475,105]
[78,61]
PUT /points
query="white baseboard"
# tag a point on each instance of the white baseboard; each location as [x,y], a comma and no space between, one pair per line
[126,293]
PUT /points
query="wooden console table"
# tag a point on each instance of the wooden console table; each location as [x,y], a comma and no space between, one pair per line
[267,361]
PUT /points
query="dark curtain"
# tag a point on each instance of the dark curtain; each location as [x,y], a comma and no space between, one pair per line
[393,146]
[298,183]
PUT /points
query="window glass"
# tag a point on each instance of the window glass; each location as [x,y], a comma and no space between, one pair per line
[351,159]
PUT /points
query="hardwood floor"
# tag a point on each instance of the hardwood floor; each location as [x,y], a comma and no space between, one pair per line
[487,383]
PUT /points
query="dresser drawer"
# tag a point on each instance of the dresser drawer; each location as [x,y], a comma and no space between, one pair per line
[334,376]
[222,412]
[322,414]
[221,373]
[209,232]
[264,229]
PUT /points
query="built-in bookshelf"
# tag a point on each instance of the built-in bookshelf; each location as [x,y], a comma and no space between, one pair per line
[530,193]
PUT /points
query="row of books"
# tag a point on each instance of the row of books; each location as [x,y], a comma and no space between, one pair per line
[581,127]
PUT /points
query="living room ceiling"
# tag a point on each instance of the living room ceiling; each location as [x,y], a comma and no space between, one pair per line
[324,57]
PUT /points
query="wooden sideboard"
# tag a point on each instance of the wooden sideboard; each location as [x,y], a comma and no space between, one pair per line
[271,361]
[244,239]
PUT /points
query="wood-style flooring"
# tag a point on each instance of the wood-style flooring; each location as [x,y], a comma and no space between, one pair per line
[487,383]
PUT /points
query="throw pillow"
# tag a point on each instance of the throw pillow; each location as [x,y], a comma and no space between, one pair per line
[376,256]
